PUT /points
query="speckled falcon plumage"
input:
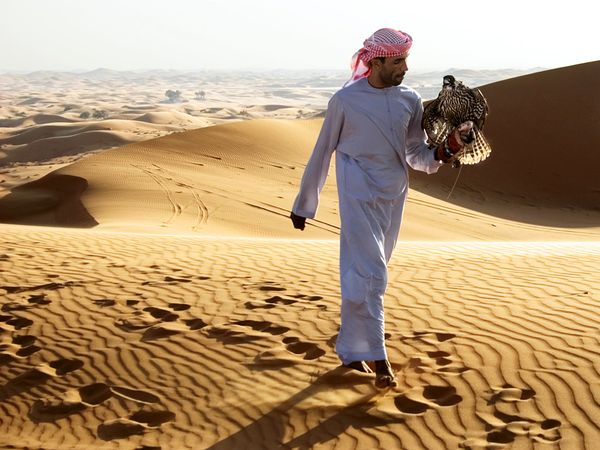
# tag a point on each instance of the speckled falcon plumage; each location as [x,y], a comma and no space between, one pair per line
[455,104]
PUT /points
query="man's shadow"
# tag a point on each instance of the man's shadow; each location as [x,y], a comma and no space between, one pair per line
[268,432]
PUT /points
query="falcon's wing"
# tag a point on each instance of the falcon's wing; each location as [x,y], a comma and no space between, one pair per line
[480,108]
[475,151]
[435,126]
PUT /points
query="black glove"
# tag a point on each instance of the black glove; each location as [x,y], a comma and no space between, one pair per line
[298,221]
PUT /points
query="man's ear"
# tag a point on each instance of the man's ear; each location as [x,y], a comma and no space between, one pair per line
[375,63]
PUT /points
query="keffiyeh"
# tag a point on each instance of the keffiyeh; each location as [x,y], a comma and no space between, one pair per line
[384,42]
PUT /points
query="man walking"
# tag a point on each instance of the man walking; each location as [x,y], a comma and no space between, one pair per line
[374,125]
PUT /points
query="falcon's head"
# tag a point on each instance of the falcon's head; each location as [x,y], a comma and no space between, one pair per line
[449,83]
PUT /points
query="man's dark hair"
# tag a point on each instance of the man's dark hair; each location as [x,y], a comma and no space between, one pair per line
[380,58]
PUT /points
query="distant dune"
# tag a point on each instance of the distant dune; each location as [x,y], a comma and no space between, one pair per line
[33,120]
[172,118]
[52,140]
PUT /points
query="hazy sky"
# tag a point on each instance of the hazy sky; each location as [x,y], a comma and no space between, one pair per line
[291,34]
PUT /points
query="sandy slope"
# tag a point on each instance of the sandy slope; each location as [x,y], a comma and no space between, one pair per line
[544,129]
[240,179]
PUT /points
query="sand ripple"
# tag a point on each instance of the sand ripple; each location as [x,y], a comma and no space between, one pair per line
[112,340]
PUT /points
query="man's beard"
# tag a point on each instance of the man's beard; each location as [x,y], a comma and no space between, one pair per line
[392,80]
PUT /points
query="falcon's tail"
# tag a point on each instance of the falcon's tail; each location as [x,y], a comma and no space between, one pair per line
[475,151]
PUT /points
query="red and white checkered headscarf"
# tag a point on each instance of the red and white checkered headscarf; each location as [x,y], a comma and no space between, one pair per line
[385,42]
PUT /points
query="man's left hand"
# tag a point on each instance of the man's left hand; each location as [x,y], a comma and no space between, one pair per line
[298,221]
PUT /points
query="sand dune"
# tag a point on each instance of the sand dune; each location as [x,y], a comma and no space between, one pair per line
[172,118]
[189,314]
[240,178]
[544,128]
[33,120]
[53,140]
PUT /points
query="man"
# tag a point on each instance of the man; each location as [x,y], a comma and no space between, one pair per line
[374,124]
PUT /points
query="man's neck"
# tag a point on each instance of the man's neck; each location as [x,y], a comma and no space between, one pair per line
[376,82]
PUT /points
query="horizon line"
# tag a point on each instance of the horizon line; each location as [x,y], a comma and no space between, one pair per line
[277,69]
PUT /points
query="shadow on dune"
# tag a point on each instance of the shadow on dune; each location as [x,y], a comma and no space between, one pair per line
[269,430]
[543,169]
[53,200]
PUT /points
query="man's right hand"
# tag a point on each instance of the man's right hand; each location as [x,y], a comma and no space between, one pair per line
[455,141]
[298,221]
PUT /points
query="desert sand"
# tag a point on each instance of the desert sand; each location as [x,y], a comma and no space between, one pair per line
[155,295]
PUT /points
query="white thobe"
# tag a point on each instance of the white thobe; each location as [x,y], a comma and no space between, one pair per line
[376,134]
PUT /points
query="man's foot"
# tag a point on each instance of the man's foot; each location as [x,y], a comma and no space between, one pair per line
[384,376]
[361,366]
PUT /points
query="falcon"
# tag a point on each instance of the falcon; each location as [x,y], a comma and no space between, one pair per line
[456,104]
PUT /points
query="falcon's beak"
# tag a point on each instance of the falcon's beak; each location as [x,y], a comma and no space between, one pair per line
[448,82]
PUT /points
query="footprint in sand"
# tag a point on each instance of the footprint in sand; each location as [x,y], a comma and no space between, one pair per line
[12,323]
[309,350]
[21,347]
[429,337]
[433,360]
[179,306]
[158,323]
[31,302]
[235,334]
[271,302]
[505,428]
[293,344]
[104,302]
[502,428]
[230,335]
[509,393]
[436,362]
[275,300]
[137,423]
[47,286]
[259,305]
[181,279]
[92,395]
[263,325]
[312,299]
[163,314]
[173,280]
[418,401]
[271,286]
[73,402]
[38,376]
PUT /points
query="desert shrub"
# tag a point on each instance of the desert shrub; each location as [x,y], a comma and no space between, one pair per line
[99,114]
[173,96]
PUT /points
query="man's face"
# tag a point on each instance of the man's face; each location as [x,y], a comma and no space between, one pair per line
[392,71]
